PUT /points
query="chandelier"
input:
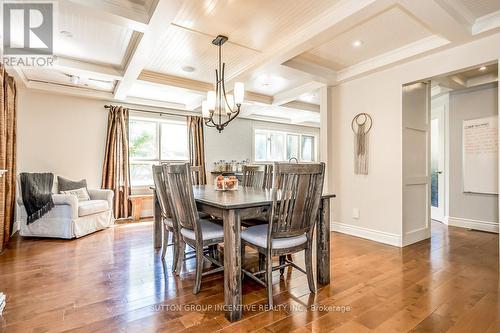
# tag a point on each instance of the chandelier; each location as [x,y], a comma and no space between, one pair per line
[219,109]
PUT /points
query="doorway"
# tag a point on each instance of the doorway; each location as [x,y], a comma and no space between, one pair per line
[438,136]
[450,153]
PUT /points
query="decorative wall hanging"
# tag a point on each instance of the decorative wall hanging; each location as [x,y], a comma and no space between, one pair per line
[361,125]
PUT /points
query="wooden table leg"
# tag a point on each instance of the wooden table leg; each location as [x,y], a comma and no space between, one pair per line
[323,243]
[157,232]
[232,265]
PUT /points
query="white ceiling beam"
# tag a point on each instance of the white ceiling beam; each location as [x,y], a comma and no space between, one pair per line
[299,105]
[159,104]
[486,23]
[339,17]
[440,19]
[92,70]
[458,10]
[452,83]
[176,81]
[162,15]
[196,86]
[55,88]
[69,90]
[133,16]
[483,79]
[392,57]
[304,64]
[292,94]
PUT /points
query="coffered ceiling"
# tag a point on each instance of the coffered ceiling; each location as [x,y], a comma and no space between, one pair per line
[89,38]
[159,52]
[375,37]
[479,8]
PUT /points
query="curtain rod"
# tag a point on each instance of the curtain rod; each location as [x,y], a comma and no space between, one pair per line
[149,111]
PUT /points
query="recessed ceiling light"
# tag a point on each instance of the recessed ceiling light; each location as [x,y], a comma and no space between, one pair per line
[482,68]
[188,69]
[357,43]
[66,33]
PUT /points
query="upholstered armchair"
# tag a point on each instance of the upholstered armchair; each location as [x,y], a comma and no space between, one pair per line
[69,218]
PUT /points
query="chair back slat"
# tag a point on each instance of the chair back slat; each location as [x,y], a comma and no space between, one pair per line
[268,176]
[196,174]
[253,176]
[181,192]
[161,191]
[296,193]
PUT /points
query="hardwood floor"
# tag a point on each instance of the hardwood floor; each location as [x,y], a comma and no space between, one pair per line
[113,281]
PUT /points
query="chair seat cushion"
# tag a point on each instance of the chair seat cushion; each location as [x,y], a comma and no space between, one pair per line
[90,207]
[257,235]
[209,230]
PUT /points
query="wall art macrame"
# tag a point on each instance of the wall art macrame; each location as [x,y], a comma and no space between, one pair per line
[361,125]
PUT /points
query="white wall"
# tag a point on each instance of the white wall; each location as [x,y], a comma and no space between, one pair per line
[61,134]
[379,195]
[66,135]
[469,104]
[236,140]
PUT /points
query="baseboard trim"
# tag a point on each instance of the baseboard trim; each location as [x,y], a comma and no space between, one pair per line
[472,224]
[416,236]
[366,233]
[15,227]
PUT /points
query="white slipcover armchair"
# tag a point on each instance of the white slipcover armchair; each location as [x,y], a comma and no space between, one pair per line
[69,218]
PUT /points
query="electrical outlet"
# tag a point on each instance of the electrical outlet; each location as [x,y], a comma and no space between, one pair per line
[355,213]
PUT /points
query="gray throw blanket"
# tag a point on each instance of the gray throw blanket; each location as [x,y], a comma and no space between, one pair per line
[36,191]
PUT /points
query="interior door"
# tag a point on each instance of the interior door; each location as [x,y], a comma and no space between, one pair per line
[437,164]
[416,162]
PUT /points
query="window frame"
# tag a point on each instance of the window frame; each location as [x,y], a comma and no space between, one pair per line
[158,121]
[286,133]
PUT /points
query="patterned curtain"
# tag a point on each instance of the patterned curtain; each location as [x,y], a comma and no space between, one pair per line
[115,170]
[197,148]
[8,108]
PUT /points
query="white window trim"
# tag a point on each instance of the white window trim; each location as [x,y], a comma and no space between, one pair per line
[286,132]
[158,120]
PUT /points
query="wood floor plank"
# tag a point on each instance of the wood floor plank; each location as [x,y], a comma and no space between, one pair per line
[114,281]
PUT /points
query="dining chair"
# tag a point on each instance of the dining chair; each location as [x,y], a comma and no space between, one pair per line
[169,225]
[296,196]
[193,231]
[258,176]
[196,174]
[253,176]
[268,176]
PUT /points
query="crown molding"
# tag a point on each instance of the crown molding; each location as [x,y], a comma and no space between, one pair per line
[404,53]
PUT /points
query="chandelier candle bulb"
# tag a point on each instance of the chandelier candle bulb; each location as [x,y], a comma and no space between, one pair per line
[239,92]
[211,100]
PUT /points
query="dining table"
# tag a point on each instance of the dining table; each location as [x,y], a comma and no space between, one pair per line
[232,207]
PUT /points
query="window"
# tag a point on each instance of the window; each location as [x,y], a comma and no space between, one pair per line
[154,141]
[276,146]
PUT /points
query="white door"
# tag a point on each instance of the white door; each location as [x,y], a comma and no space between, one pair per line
[416,163]
[437,164]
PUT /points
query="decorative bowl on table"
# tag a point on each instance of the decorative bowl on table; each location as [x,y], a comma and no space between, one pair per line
[226,183]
